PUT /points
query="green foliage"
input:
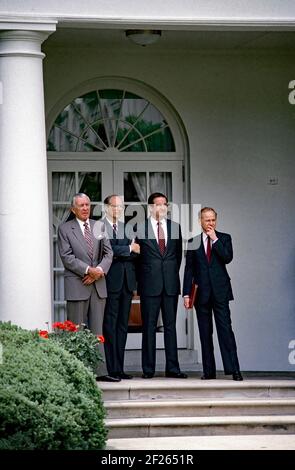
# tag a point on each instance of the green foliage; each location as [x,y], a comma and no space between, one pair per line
[80,342]
[48,399]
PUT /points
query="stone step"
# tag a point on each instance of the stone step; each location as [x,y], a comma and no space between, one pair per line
[229,442]
[199,407]
[199,426]
[164,388]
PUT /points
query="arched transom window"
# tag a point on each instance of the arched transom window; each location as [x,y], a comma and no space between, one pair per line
[104,119]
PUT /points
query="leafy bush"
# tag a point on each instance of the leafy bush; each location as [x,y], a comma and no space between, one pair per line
[49,399]
[78,341]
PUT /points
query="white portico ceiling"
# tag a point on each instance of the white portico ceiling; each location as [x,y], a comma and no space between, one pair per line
[175,40]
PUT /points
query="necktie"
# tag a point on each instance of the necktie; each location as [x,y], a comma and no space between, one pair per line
[161,238]
[114,231]
[88,239]
[208,252]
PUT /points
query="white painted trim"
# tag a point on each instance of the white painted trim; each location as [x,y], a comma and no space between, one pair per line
[191,23]
[30,24]
[179,24]
[120,156]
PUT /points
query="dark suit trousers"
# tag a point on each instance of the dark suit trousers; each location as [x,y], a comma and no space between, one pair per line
[225,336]
[115,329]
[150,309]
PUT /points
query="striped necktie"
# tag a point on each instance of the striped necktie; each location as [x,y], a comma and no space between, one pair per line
[161,238]
[115,228]
[88,239]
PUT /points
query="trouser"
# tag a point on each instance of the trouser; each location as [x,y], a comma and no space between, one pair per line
[150,309]
[115,329]
[225,334]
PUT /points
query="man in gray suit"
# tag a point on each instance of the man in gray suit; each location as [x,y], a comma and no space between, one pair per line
[87,255]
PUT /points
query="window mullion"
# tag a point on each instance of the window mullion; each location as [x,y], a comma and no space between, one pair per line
[144,137]
[89,126]
[132,126]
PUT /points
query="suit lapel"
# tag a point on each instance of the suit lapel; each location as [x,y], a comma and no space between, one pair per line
[78,233]
[96,242]
[109,229]
[121,231]
[200,250]
[150,236]
[168,244]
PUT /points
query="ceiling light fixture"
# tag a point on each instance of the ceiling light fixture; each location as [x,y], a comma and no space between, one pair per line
[143,37]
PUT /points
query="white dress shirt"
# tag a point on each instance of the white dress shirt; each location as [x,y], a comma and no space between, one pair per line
[163,222]
[81,224]
[205,241]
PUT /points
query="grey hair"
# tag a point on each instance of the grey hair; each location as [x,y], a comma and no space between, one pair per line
[73,203]
[207,209]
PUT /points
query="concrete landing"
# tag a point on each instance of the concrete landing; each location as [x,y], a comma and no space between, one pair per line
[257,442]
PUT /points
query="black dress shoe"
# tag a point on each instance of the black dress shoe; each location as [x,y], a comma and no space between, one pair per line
[237,376]
[176,375]
[208,377]
[125,376]
[107,378]
[147,375]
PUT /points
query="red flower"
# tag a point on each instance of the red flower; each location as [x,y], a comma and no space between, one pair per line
[43,334]
[70,326]
[58,325]
[67,326]
[100,338]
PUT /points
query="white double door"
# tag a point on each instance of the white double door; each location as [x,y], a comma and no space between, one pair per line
[134,180]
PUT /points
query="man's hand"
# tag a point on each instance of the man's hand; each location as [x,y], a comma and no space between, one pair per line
[95,273]
[211,233]
[135,247]
[87,280]
[186,302]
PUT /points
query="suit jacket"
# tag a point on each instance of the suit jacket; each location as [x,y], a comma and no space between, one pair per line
[159,272]
[211,277]
[123,265]
[73,252]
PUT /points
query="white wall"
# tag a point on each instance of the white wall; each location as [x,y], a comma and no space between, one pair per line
[240,127]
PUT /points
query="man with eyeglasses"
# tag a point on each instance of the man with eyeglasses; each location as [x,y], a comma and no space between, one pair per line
[121,282]
[160,257]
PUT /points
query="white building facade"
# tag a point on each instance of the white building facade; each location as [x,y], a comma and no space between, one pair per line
[205,114]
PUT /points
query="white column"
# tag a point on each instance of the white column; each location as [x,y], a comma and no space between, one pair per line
[25,280]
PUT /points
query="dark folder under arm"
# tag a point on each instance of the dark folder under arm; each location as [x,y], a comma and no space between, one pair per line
[193,295]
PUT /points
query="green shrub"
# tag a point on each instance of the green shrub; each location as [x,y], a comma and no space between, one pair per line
[48,398]
[78,341]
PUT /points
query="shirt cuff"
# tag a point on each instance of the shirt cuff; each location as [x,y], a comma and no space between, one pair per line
[87,269]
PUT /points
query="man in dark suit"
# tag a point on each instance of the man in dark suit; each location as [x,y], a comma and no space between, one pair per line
[121,282]
[159,286]
[206,259]
[87,255]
